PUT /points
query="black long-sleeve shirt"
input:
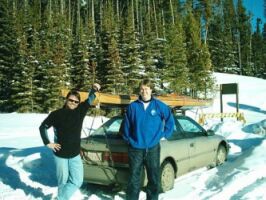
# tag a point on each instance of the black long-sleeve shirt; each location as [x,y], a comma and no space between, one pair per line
[67,124]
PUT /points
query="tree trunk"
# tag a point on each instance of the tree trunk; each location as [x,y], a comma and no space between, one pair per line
[137,15]
[133,18]
[78,18]
[149,16]
[163,21]
[155,19]
[239,52]
[172,12]
[62,6]
[117,10]
[69,16]
[93,18]
[50,10]
[101,15]
[141,22]
[206,34]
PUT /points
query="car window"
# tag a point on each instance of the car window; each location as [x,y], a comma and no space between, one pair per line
[111,127]
[114,127]
[190,128]
[177,133]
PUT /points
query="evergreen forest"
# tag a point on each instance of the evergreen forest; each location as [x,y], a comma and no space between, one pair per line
[48,45]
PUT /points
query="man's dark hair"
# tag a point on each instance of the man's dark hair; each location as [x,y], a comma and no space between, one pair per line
[147,82]
[73,92]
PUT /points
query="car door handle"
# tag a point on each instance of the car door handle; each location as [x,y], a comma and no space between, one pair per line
[191,144]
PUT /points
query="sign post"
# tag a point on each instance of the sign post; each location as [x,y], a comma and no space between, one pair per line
[229,88]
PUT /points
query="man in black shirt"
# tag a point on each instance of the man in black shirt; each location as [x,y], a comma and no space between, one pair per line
[67,124]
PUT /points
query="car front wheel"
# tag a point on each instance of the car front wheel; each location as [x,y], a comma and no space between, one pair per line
[221,155]
[167,176]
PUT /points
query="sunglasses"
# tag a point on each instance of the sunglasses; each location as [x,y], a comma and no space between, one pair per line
[73,101]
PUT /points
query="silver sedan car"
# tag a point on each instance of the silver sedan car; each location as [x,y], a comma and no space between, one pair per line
[105,157]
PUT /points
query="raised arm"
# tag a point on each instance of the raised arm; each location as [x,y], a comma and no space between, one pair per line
[95,88]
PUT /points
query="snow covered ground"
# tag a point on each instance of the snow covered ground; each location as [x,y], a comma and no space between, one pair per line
[27,168]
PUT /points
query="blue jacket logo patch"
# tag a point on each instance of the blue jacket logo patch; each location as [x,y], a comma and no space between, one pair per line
[153,112]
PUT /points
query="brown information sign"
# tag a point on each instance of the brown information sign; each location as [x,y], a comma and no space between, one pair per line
[229,88]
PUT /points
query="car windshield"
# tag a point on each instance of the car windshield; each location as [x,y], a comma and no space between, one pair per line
[109,128]
[189,127]
[183,126]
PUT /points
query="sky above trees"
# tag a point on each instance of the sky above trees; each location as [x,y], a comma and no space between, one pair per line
[256,7]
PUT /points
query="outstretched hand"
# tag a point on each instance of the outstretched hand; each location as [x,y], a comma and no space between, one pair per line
[96,87]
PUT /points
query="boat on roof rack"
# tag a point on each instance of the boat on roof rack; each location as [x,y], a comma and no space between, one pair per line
[116,100]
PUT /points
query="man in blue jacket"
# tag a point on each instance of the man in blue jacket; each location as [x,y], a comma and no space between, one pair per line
[147,120]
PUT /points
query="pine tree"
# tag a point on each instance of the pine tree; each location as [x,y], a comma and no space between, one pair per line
[206,14]
[244,39]
[151,46]
[114,75]
[23,84]
[198,57]
[59,40]
[220,39]
[79,70]
[257,51]
[230,53]
[129,49]
[262,72]
[90,42]
[175,70]
[9,58]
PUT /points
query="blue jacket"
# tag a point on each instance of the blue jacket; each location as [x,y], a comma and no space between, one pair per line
[143,129]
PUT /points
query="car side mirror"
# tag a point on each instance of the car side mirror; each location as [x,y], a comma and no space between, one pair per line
[210,132]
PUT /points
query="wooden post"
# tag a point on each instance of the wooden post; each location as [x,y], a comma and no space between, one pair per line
[221,100]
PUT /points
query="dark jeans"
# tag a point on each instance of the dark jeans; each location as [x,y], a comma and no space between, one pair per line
[138,158]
